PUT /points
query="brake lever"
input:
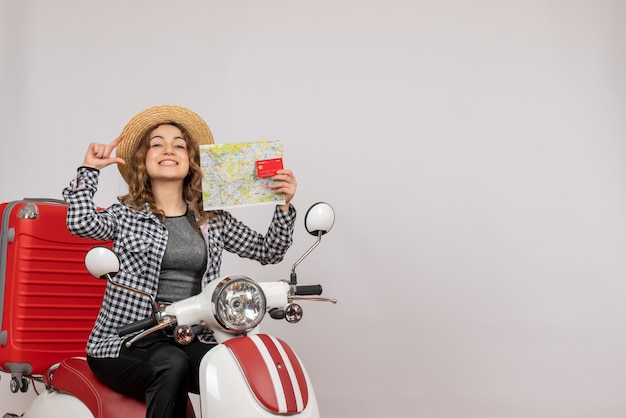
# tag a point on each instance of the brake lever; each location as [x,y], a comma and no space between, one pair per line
[315,299]
[167,322]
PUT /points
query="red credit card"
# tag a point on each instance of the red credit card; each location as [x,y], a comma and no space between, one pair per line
[268,168]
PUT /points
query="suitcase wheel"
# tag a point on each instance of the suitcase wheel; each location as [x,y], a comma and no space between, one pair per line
[20,384]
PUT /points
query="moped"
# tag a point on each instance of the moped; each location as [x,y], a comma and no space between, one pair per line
[247,374]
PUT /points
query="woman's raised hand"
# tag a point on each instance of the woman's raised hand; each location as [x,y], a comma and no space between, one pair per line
[285,182]
[99,155]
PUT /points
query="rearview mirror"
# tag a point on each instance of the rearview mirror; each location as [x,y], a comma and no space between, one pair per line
[102,262]
[319,219]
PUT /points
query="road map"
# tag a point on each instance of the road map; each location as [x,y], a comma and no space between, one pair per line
[229,175]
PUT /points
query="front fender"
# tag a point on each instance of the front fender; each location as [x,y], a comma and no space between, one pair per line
[256,376]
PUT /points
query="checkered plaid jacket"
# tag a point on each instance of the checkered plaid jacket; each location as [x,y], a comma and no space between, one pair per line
[139,239]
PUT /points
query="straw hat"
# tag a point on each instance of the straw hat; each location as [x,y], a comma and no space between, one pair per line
[136,128]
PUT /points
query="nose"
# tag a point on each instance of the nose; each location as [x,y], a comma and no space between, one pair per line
[168,148]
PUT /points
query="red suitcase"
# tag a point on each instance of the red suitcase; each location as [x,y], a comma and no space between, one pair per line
[48,300]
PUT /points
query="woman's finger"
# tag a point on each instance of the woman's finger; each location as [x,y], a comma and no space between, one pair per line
[116,141]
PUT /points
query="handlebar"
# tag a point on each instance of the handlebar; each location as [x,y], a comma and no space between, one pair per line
[151,321]
[137,326]
[309,290]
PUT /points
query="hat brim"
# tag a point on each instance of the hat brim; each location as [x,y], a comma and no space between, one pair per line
[136,128]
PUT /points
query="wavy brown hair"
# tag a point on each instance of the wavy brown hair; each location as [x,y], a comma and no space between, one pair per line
[140,188]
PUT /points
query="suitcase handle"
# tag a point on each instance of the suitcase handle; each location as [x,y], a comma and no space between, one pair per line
[45,200]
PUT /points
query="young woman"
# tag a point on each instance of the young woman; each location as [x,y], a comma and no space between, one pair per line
[168,246]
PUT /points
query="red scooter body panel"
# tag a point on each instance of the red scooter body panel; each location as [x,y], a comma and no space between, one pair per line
[48,300]
[273,372]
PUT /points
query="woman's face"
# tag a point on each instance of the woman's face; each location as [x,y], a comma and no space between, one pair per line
[167,157]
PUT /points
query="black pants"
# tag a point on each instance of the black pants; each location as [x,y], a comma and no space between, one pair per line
[155,370]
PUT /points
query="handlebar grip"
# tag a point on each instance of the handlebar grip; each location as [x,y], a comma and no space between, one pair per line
[137,326]
[310,290]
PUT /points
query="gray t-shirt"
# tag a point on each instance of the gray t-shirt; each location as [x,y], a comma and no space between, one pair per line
[184,261]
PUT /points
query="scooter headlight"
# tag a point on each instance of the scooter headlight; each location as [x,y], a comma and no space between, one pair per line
[238,303]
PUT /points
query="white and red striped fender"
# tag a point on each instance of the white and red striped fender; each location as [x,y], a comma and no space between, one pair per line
[272,371]
[256,375]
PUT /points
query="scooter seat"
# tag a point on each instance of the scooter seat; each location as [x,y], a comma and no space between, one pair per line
[74,376]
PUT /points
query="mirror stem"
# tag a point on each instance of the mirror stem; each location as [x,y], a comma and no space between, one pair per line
[155,307]
[294,280]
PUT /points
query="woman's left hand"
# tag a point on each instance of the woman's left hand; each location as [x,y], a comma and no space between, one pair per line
[285,183]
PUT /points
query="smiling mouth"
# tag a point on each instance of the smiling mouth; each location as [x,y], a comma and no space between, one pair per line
[168,162]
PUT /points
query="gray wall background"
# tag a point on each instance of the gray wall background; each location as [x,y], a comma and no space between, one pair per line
[473,152]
